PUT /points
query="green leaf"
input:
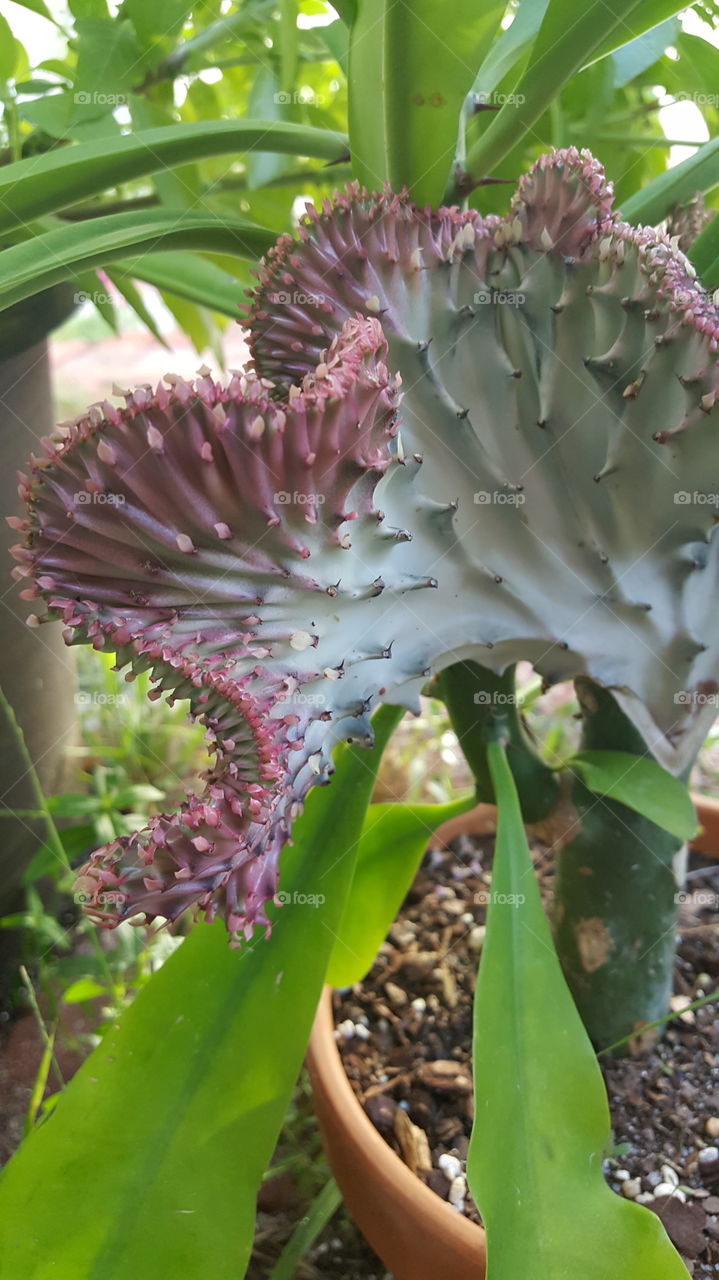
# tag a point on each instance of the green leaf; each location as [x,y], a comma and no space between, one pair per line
[567,40]
[72,804]
[191,277]
[83,989]
[347,10]
[541,1115]
[134,300]
[150,1164]
[90,288]
[336,38]
[699,172]
[58,255]
[8,50]
[306,1232]
[110,63]
[704,253]
[267,101]
[43,184]
[634,58]
[410,69]
[646,17]
[394,838]
[508,50]
[641,784]
[288,43]
[160,18]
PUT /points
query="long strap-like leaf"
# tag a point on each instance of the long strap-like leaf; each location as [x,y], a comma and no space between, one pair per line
[56,255]
[541,1115]
[150,1164]
[47,183]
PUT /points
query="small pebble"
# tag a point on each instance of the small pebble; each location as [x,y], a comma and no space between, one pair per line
[362,1032]
[621,1175]
[477,936]
[450,1166]
[347,1029]
[631,1188]
[419,1005]
[712,1126]
[645,1198]
[669,1189]
[670,1175]
[395,994]
[467,918]
[457,1192]
[708,1156]
[653,1179]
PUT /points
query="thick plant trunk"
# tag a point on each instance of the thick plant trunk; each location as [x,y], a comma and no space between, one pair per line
[616,894]
[36,670]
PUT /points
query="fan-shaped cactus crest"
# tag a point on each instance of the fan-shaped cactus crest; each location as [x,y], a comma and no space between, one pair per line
[293,547]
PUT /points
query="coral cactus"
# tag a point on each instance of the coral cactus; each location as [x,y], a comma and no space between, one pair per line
[556,363]
[279,553]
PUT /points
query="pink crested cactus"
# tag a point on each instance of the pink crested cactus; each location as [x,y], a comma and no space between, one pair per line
[279,553]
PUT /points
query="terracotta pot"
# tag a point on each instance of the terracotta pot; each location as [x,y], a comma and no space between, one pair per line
[708,814]
[415,1233]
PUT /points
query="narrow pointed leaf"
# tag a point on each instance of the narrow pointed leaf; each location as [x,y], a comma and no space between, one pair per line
[189,276]
[57,255]
[641,784]
[194,1079]
[699,173]
[43,184]
[134,300]
[541,1116]
[394,837]
[567,40]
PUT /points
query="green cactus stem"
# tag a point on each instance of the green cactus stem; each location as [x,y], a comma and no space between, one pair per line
[618,878]
[477,700]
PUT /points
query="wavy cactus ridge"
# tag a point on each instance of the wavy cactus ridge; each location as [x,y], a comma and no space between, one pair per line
[160,531]
[553,362]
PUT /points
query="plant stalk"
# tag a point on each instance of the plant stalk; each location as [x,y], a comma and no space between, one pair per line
[616,894]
